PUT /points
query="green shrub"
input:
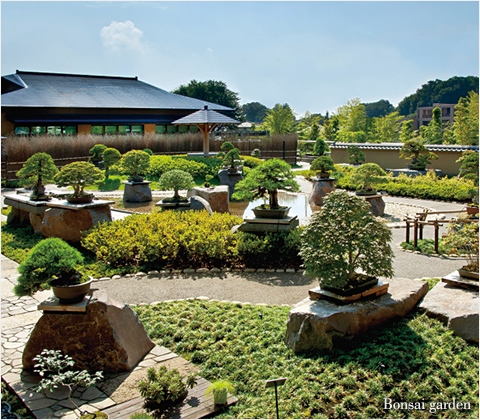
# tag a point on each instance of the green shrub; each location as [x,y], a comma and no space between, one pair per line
[97,153]
[166,239]
[213,164]
[160,165]
[17,241]
[306,146]
[110,157]
[251,162]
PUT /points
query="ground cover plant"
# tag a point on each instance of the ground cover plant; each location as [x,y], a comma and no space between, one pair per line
[427,246]
[413,359]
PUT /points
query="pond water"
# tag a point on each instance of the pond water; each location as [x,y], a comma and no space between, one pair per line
[298,203]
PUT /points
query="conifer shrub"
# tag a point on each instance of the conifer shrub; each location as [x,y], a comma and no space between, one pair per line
[160,165]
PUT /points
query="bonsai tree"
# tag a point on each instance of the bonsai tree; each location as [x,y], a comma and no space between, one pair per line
[463,238]
[164,388]
[49,260]
[320,147]
[267,179]
[323,165]
[355,155]
[345,245]
[469,166]
[256,153]
[37,170]
[220,390]
[78,175]
[208,178]
[97,153]
[413,149]
[367,175]
[230,154]
[56,369]
[135,163]
[176,180]
[110,157]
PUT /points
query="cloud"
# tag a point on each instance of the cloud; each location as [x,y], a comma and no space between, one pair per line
[122,36]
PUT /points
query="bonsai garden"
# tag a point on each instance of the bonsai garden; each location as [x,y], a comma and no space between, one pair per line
[155,285]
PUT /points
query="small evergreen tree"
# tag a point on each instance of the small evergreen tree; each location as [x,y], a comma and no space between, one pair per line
[135,163]
[414,150]
[97,153]
[78,175]
[110,157]
[37,170]
[320,147]
[355,155]
[176,180]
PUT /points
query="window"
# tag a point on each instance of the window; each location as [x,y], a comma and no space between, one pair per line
[22,131]
[160,129]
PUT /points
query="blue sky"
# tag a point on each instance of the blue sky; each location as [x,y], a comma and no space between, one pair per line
[313,55]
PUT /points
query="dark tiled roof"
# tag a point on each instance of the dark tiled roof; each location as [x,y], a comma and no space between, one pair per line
[398,146]
[206,116]
[83,91]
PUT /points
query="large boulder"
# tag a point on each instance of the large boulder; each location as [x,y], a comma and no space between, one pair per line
[109,336]
[217,197]
[318,324]
[456,307]
[68,224]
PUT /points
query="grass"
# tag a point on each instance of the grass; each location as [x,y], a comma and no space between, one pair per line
[427,246]
[412,359]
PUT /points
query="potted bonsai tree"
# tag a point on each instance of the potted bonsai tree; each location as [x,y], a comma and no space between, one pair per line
[413,149]
[56,370]
[231,156]
[220,390]
[53,263]
[265,180]
[355,155]
[110,157]
[135,163]
[96,154]
[164,388]
[365,177]
[37,170]
[345,246]
[323,165]
[463,238]
[175,180]
[78,175]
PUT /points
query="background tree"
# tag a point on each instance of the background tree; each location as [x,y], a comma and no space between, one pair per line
[378,109]
[280,120]
[352,116]
[135,163]
[308,126]
[386,129]
[331,127]
[407,132]
[465,126]
[432,134]
[255,111]
[212,91]
[320,147]
[355,155]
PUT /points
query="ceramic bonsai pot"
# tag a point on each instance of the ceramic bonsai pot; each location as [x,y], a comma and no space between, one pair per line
[468,274]
[72,293]
[366,192]
[323,175]
[263,213]
[80,200]
[472,210]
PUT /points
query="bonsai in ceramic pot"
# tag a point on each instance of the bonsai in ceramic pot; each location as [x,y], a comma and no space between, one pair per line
[231,157]
[78,175]
[175,180]
[345,246]
[135,163]
[413,149]
[220,390]
[463,238]
[37,170]
[355,155]
[53,263]
[265,180]
[366,176]
[323,165]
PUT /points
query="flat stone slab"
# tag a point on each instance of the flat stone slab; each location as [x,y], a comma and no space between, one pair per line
[455,279]
[380,289]
[269,225]
[456,307]
[318,324]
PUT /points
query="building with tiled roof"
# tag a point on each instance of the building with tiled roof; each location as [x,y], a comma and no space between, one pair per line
[52,103]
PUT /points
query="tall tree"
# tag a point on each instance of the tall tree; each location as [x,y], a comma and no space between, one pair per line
[387,128]
[212,91]
[352,116]
[331,126]
[465,125]
[255,111]
[432,134]
[308,128]
[280,120]
[378,109]
[407,132]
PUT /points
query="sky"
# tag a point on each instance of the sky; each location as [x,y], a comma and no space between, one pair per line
[313,55]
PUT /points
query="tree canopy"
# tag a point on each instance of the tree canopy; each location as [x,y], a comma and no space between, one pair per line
[378,109]
[255,111]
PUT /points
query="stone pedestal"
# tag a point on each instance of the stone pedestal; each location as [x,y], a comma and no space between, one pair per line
[193,203]
[108,336]
[321,187]
[230,180]
[318,324]
[377,205]
[217,197]
[456,307]
[269,225]
[25,210]
[137,192]
[68,221]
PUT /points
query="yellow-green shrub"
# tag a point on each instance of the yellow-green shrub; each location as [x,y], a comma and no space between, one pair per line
[166,239]
[162,164]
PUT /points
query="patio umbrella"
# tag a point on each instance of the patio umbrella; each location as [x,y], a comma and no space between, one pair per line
[205,119]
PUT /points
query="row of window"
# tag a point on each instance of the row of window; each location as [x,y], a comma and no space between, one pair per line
[103,130]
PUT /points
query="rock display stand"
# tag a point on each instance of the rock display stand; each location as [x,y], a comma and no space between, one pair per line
[193,203]
[457,306]
[318,324]
[217,197]
[137,192]
[230,180]
[25,210]
[321,187]
[379,289]
[268,225]
[68,221]
[99,334]
[377,205]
